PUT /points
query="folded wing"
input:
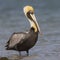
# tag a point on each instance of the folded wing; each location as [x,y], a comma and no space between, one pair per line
[16,38]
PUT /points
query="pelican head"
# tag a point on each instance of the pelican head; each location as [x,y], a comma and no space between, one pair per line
[29,13]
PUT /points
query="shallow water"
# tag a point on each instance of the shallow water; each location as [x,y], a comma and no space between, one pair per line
[12,19]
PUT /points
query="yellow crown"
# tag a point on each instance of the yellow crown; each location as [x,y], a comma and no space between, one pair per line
[27,9]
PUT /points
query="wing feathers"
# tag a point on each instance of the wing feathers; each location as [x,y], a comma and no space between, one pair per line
[16,38]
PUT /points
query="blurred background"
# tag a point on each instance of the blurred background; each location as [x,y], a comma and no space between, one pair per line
[12,19]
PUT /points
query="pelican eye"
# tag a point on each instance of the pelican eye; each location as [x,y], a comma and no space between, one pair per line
[31,12]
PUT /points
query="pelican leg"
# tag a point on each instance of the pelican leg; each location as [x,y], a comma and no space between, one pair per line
[20,53]
[27,53]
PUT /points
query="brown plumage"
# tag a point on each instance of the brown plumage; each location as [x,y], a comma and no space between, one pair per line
[23,41]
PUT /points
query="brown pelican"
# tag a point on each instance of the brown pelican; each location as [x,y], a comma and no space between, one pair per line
[23,41]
